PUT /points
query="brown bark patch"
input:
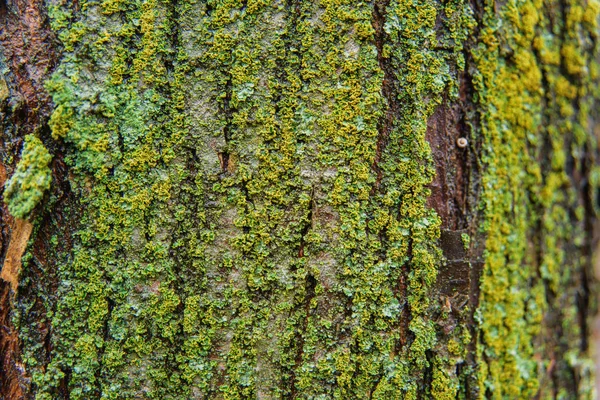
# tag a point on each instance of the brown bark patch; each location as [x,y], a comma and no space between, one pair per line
[12,372]
[3,175]
[28,46]
[29,50]
[450,187]
[12,375]
[455,192]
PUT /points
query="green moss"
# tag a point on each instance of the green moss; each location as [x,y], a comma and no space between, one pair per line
[26,187]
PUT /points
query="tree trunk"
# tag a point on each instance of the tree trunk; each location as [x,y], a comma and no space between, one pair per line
[286,199]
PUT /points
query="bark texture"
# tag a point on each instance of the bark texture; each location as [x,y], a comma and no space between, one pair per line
[270,199]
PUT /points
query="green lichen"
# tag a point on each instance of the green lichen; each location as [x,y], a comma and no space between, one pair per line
[533,86]
[26,187]
[227,167]
[251,226]
[4,91]
[466,240]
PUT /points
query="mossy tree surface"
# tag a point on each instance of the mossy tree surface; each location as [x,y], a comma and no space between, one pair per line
[266,199]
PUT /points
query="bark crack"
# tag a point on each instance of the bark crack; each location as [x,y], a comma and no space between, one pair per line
[388,89]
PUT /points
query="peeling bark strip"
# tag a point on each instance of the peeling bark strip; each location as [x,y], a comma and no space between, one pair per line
[269,199]
[20,232]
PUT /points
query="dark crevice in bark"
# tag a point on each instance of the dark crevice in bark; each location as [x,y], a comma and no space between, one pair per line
[405,335]
[310,293]
[105,340]
[37,291]
[293,61]
[467,389]
[388,88]
[309,223]
[225,108]
[173,15]
[427,377]
[584,294]
[375,384]
[63,388]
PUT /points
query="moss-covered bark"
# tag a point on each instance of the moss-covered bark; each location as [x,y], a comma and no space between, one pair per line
[269,199]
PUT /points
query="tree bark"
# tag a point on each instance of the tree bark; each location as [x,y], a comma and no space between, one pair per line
[224,199]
